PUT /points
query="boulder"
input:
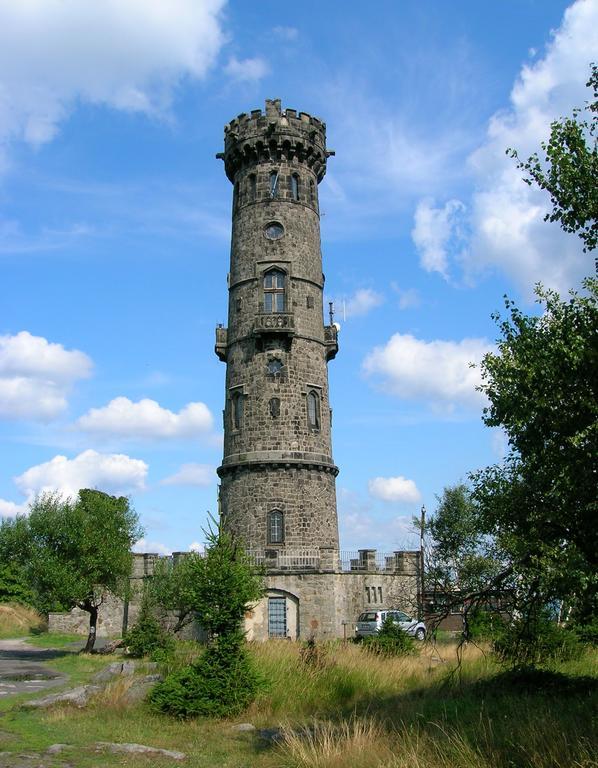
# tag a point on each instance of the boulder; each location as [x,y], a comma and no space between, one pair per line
[139,749]
[78,697]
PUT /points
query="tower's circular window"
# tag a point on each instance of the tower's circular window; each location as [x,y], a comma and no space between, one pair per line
[274,230]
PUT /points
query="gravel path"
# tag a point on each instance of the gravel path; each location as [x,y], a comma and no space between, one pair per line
[21,670]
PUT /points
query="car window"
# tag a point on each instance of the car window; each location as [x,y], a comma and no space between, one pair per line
[368,616]
[403,616]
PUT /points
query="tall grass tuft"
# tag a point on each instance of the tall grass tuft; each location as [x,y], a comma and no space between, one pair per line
[19,620]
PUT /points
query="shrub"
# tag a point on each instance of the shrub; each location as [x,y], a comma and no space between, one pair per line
[535,640]
[147,637]
[221,683]
[391,640]
[484,624]
[314,654]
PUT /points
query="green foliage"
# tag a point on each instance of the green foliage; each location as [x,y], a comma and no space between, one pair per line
[391,640]
[541,502]
[459,558]
[570,169]
[13,585]
[217,585]
[221,683]
[535,640]
[484,624]
[147,637]
[73,552]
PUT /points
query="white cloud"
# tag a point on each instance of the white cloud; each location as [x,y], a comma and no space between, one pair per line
[360,303]
[394,489]
[146,419]
[111,473]
[192,474]
[435,230]
[151,547]
[508,231]
[246,70]
[10,509]
[436,371]
[36,376]
[286,33]
[409,298]
[126,55]
[196,546]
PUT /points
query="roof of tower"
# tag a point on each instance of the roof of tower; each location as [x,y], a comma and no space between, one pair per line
[273,133]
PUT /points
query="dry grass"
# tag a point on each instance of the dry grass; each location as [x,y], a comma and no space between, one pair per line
[347,678]
[366,743]
[19,620]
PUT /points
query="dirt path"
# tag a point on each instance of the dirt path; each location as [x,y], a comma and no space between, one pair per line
[21,670]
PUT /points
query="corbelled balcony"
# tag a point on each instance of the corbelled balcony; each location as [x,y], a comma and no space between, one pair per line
[274,322]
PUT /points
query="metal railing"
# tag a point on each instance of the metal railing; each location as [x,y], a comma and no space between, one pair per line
[372,560]
[285,559]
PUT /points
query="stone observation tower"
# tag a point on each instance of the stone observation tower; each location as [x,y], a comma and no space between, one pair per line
[277,477]
[277,492]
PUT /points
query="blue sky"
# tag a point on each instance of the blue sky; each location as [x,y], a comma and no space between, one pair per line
[115,225]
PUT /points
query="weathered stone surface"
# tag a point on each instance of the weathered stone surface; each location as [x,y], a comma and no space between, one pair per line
[271,735]
[140,688]
[56,749]
[244,727]
[139,749]
[122,668]
[77,697]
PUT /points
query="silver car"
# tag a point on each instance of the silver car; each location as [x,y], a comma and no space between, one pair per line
[370,623]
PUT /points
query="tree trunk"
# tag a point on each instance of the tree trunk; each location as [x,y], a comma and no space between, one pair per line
[93,622]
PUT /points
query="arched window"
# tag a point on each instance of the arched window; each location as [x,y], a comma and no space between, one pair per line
[274,287]
[275,527]
[252,187]
[295,186]
[313,410]
[237,410]
[273,183]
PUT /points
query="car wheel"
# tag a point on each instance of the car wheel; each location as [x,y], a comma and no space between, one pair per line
[420,633]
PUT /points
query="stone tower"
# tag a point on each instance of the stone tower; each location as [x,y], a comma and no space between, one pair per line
[277,475]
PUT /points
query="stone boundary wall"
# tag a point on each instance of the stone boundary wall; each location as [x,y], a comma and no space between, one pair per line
[323,603]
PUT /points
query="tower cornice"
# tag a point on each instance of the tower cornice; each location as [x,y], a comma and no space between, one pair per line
[275,136]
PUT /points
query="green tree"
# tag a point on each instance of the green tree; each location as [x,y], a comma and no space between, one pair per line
[74,552]
[215,586]
[222,584]
[570,169]
[540,503]
[461,561]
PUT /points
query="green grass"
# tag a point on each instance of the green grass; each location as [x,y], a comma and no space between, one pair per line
[359,711]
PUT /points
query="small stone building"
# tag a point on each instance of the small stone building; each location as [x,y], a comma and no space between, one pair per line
[277,477]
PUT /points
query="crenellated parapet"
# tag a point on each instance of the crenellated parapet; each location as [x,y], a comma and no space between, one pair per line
[275,136]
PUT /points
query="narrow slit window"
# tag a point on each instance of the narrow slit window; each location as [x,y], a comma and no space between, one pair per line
[236,195]
[274,184]
[274,291]
[275,527]
[237,410]
[295,186]
[252,187]
[313,410]
[312,192]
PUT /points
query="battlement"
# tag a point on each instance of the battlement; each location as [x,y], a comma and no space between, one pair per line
[274,136]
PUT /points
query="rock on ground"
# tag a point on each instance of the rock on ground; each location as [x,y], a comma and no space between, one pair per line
[139,749]
[78,697]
